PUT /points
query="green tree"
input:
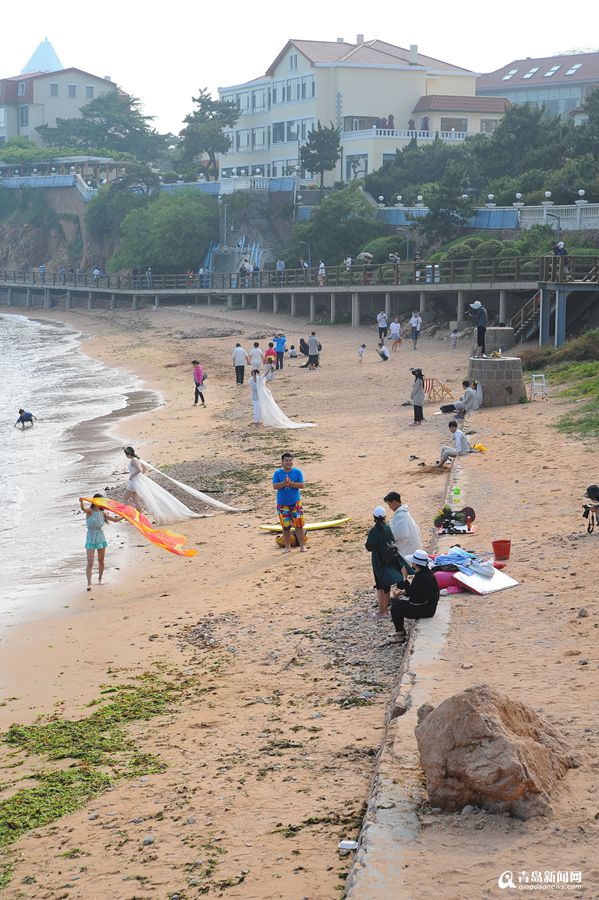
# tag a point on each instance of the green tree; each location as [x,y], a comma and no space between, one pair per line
[170,234]
[321,151]
[114,121]
[449,208]
[103,216]
[342,224]
[203,132]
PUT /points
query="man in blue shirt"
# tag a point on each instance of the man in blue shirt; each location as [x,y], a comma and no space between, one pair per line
[287,482]
[279,342]
[25,417]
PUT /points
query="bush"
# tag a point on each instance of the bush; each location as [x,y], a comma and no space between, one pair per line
[460,251]
[381,247]
[584,348]
[487,249]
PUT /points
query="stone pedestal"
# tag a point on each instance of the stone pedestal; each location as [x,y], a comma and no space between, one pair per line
[496,339]
[501,379]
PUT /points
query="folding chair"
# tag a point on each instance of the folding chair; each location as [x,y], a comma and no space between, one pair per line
[437,390]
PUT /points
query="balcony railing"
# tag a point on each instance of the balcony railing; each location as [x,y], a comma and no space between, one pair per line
[402,134]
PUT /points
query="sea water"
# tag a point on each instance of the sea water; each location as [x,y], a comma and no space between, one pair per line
[45,468]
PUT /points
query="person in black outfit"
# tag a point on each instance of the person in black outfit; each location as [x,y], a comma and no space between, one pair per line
[387,569]
[422,595]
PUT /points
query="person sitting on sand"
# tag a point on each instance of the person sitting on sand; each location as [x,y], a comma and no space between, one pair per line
[406,533]
[383,351]
[25,418]
[467,402]
[462,446]
[385,566]
[421,595]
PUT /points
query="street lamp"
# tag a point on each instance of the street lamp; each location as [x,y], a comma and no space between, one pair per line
[559,223]
[381,201]
[406,232]
[547,195]
[518,204]
[399,200]
[581,193]
[222,202]
[491,200]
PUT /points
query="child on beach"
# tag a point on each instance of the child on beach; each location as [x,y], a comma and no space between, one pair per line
[25,417]
[361,351]
[292,352]
[395,334]
[270,360]
[453,338]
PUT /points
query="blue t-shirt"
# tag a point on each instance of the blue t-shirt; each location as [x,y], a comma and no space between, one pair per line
[280,344]
[25,417]
[287,496]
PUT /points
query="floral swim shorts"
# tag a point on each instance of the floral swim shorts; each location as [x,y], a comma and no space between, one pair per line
[291,515]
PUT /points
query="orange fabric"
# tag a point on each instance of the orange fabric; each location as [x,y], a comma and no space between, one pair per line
[168,540]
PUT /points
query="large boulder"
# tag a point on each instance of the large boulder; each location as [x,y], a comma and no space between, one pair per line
[481,748]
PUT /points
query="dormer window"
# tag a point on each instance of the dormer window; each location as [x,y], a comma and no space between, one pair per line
[292,62]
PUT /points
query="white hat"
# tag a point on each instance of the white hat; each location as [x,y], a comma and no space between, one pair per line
[379,512]
[476,305]
[419,557]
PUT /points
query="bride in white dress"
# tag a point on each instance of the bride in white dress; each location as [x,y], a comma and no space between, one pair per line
[270,413]
[162,505]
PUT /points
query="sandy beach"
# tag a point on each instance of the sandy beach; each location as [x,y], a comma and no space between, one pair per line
[270,747]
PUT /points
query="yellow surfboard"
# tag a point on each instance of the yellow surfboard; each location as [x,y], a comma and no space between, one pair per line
[312,526]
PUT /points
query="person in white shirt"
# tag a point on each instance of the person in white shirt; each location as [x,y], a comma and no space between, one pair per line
[256,358]
[405,530]
[382,323]
[415,325]
[395,334]
[462,447]
[322,273]
[361,351]
[348,262]
[240,358]
[383,352]
[468,401]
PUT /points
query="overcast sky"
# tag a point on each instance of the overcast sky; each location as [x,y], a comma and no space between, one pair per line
[162,53]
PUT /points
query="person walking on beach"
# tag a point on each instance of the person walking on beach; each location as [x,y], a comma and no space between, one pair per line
[462,445]
[453,338]
[25,417]
[422,595]
[361,351]
[279,341]
[253,386]
[198,377]
[256,356]
[385,563]
[95,519]
[270,359]
[287,482]
[381,320]
[313,352]
[479,314]
[395,334]
[417,396]
[240,358]
[415,326]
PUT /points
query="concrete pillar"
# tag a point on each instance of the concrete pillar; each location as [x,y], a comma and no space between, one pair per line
[355,310]
[68,303]
[47,300]
[135,302]
[258,302]
[388,305]
[561,298]
[9,296]
[209,300]
[422,302]
[312,307]
[230,301]
[544,315]
[293,305]
[275,304]
[28,298]
[113,301]
[90,300]
[244,301]
[156,301]
[333,309]
[503,306]
[461,304]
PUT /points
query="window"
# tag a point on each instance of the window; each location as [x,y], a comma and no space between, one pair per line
[89,92]
[450,125]
[308,87]
[278,132]
[574,69]
[509,75]
[243,102]
[72,90]
[243,139]
[531,72]
[292,131]
[53,89]
[488,126]
[258,100]
[2,117]
[292,61]
[23,116]
[551,71]
[21,89]
[258,137]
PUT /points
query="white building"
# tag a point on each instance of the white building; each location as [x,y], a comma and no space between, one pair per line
[378,94]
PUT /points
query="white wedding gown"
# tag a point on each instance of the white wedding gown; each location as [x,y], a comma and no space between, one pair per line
[271,414]
[162,505]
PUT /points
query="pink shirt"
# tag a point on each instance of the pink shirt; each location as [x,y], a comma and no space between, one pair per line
[198,374]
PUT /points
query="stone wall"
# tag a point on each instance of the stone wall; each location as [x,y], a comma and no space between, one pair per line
[501,379]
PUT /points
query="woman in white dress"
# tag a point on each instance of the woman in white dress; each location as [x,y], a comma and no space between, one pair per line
[270,413]
[161,504]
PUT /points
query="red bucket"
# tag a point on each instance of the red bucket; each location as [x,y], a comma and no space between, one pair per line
[501,549]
